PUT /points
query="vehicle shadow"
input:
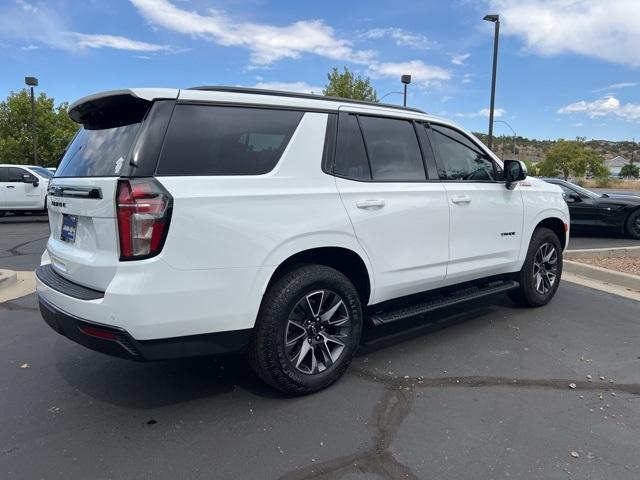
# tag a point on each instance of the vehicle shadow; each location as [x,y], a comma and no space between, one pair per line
[157,384]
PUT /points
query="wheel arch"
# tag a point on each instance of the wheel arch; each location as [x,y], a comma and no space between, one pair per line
[345,260]
[555,224]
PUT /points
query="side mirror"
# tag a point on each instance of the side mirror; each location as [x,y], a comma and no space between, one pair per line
[573,198]
[514,171]
[26,178]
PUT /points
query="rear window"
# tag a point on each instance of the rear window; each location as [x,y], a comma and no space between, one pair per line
[215,140]
[98,153]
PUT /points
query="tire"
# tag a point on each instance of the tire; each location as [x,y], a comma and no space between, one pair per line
[536,287]
[291,332]
[632,225]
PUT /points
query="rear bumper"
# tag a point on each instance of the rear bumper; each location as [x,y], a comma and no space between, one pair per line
[122,344]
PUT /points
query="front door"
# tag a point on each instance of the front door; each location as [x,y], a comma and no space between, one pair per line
[486,217]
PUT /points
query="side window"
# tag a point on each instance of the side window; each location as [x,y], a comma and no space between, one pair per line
[393,149]
[3,174]
[351,160]
[215,140]
[458,158]
[15,174]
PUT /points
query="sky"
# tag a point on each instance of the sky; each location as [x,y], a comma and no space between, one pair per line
[566,68]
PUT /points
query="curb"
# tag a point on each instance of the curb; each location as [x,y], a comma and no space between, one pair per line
[603,274]
[7,278]
[603,252]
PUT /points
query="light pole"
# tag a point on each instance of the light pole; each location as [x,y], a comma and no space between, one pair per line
[496,20]
[512,131]
[33,82]
[406,79]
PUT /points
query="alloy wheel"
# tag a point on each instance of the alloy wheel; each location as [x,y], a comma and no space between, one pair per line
[545,268]
[317,331]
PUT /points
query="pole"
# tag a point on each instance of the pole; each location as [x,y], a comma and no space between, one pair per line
[34,134]
[404,104]
[493,81]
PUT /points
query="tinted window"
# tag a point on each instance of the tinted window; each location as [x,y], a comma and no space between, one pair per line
[98,153]
[351,161]
[15,174]
[458,158]
[394,153]
[212,140]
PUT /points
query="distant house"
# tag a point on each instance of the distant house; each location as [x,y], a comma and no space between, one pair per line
[615,165]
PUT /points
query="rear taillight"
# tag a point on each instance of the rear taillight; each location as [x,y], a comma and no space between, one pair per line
[143,209]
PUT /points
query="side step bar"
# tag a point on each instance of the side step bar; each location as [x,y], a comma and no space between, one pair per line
[384,317]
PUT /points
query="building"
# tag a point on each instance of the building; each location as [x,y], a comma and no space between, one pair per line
[615,165]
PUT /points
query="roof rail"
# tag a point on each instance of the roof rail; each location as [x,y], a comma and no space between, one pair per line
[280,93]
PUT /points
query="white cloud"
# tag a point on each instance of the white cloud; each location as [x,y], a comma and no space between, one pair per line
[402,38]
[299,87]
[617,86]
[48,27]
[267,43]
[607,30]
[579,124]
[466,79]
[86,40]
[30,47]
[459,59]
[420,72]
[497,113]
[446,98]
[604,107]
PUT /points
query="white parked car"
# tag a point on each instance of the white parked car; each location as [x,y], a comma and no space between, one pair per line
[23,188]
[222,220]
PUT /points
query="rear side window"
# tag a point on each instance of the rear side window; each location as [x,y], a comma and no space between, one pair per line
[394,152]
[215,140]
[351,161]
[98,153]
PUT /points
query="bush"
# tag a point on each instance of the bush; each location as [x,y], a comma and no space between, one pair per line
[607,182]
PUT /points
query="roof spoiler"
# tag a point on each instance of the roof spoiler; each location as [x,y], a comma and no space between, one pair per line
[116,108]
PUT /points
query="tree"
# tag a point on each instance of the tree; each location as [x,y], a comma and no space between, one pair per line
[571,158]
[54,127]
[630,170]
[595,164]
[532,168]
[346,85]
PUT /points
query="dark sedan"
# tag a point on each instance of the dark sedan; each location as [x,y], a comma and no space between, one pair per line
[613,212]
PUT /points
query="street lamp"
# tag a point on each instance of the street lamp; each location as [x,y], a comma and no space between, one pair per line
[496,20]
[406,79]
[33,82]
[514,134]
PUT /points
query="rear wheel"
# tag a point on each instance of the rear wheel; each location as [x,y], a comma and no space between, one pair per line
[540,275]
[633,225]
[308,330]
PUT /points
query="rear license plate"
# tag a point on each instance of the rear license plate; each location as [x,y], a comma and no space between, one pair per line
[69,224]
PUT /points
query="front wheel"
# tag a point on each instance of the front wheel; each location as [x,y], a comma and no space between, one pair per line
[633,225]
[540,275]
[308,330]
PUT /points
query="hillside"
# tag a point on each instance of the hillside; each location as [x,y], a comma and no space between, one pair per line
[535,150]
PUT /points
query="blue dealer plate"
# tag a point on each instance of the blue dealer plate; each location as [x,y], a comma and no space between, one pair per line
[69,224]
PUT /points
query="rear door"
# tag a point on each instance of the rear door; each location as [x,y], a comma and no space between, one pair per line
[486,217]
[117,141]
[400,218]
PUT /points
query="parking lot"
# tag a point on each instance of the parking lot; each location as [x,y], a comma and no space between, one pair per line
[477,391]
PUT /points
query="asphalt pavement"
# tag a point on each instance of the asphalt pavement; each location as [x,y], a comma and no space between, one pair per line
[478,391]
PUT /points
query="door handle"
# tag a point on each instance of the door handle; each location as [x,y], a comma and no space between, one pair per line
[11,186]
[461,199]
[370,203]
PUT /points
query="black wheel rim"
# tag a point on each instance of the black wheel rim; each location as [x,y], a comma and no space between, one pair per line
[635,225]
[317,331]
[545,268]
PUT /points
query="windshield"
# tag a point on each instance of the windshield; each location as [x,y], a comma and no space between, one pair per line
[43,172]
[98,153]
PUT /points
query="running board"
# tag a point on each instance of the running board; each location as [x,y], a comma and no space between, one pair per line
[384,317]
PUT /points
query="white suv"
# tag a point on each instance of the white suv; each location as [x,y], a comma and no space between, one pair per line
[23,188]
[222,220]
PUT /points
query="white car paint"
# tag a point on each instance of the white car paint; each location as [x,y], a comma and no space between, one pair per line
[228,234]
[21,196]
